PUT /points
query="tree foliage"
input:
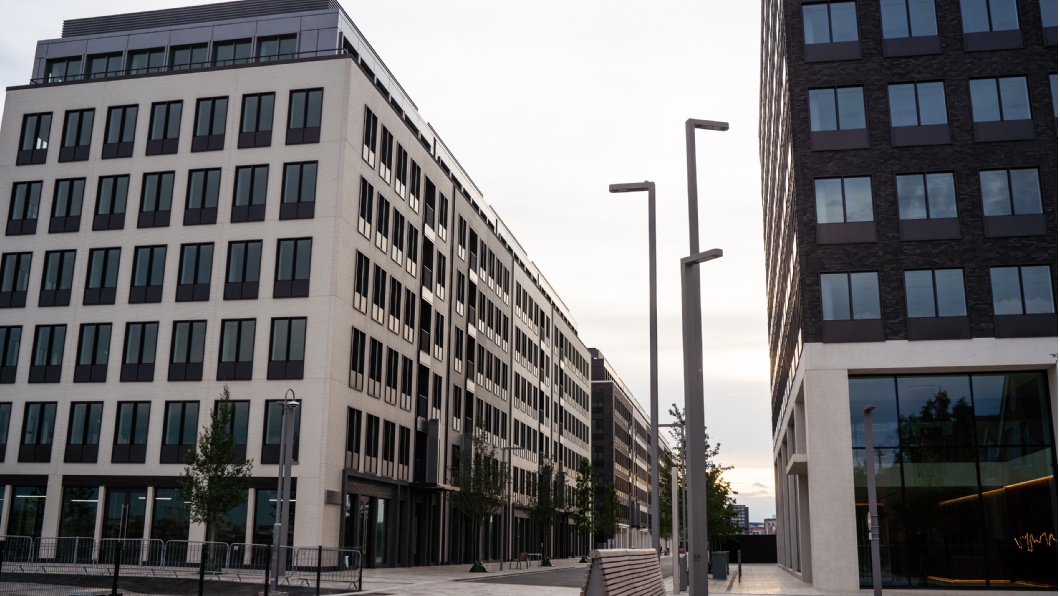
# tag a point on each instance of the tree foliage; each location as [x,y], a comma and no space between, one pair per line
[721,511]
[584,497]
[481,482]
[608,512]
[665,497]
[214,481]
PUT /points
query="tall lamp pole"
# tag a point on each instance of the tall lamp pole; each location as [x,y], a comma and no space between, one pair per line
[288,407]
[693,352]
[653,358]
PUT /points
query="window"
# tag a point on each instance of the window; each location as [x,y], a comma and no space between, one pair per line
[138,359]
[392,373]
[440,276]
[255,123]
[908,18]
[428,202]
[277,47]
[60,70]
[270,444]
[1001,109]
[77,135]
[179,430]
[389,432]
[188,56]
[187,350]
[14,279]
[130,434]
[831,31]
[360,283]
[144,61]
[210,116]
[1052,88]
[164,133]
[196,262]
[299,190]
[203,189]
[371,126]
[401,171]
[156,200]
[66,206]
[850,296]
[1012,202]
[375,367]
[10,341]
[48,343]
[357,352]
[935,294]
[233,51]
[414,185]
[33,143]
[38,430]
[238,421]
[248,203]
[918,105]
[378,293]
[443,216]
[93,352]
[365,213]
[293,257]
[101,282]
[287,348]
[371,438]
[120,132]
[82,438]
[149,268]
[1022,290]
[382,224]
[236,361]
[841,203]
[244,269]
[386,156]
[25,208]
[923,198]
[101,66]
[111,196]
[58,279]
[397,238]
[394,305]
[353,430]
[980,16]
[1024,303]
[303,116]
[837,118]
[406,382]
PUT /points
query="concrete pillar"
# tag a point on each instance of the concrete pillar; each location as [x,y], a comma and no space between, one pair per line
[829,510]
[5,509]
[101,512]
[53,504]
[149,512]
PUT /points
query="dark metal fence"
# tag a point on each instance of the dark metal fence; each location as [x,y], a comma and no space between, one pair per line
[46,566]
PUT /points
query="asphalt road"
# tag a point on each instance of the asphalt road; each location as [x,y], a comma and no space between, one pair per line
[560,578]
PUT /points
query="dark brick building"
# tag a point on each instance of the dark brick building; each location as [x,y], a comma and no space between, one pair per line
[909,185]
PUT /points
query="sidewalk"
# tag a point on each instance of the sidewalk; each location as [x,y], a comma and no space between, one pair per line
[453,579]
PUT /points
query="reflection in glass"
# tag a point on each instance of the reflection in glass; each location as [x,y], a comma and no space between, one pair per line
[170,520]
[879,392]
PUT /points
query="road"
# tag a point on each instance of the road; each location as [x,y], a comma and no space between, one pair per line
[560,578]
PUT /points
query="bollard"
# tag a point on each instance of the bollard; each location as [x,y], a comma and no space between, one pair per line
[739,566]
[320,555]
[268,571]
[202,568]
[117,568]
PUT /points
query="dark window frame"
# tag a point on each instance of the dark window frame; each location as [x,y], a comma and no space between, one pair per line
[119,138]
[312,103]
[93,353]
[288,366]
[156,199]
[35,446]
[299,202]
[10,346]
[23,211]
[112,201]
[105,284]
[163,138]
[34,139]
[15,269]
[256,131]
[79,445]
[292,283]
[270,451]
[57,279]
[77,135]
[257,177]
[242,278]
[173,453]
[194,289]
[193,334]
[134,450]
[211,115]
[138,361]
[148,292]
[68,199]
[49,347]
[204,192]
[369,141]
[239,369]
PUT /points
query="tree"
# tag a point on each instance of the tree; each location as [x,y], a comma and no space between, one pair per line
[582,508]
[721,511]
[214,481]
[666,515]
[481,484]
[608,512]
[544,504]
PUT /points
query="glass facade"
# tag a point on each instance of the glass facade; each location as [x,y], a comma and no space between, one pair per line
[170,520]
[966,479]
[27,511]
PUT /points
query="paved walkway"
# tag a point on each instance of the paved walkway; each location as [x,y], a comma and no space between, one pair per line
[761,580]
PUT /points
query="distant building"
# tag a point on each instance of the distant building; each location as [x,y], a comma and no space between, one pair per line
[742,517]
[771,525]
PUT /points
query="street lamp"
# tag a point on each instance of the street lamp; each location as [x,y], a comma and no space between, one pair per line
[283,486]
[693,352]
[653,333]
[692,333]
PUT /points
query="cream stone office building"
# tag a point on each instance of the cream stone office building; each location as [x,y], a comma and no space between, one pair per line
[242,194]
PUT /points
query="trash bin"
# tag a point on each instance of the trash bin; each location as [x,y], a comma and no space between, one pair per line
[720,563]
[682,562]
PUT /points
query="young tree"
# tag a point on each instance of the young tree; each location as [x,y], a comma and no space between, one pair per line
[666,517]
[608,512]
[214,481]
[582,508]
[482,485]
[721,511]
[543,506]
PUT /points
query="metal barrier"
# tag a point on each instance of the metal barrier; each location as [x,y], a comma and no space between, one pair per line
[316,566]
[18,550]
[250,561]
[135,555]
[68,554]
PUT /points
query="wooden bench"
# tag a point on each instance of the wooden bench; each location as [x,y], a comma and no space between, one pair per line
[621,572]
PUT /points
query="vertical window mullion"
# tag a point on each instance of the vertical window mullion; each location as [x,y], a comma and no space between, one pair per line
[1023,293]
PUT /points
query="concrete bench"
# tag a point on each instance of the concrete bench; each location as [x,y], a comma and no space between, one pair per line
[623,572]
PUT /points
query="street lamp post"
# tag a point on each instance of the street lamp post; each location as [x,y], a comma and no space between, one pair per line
[653,341]
[697,469]
[283,486]
[693,361]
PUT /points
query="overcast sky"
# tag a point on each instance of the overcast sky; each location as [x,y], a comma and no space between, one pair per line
[545,103]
